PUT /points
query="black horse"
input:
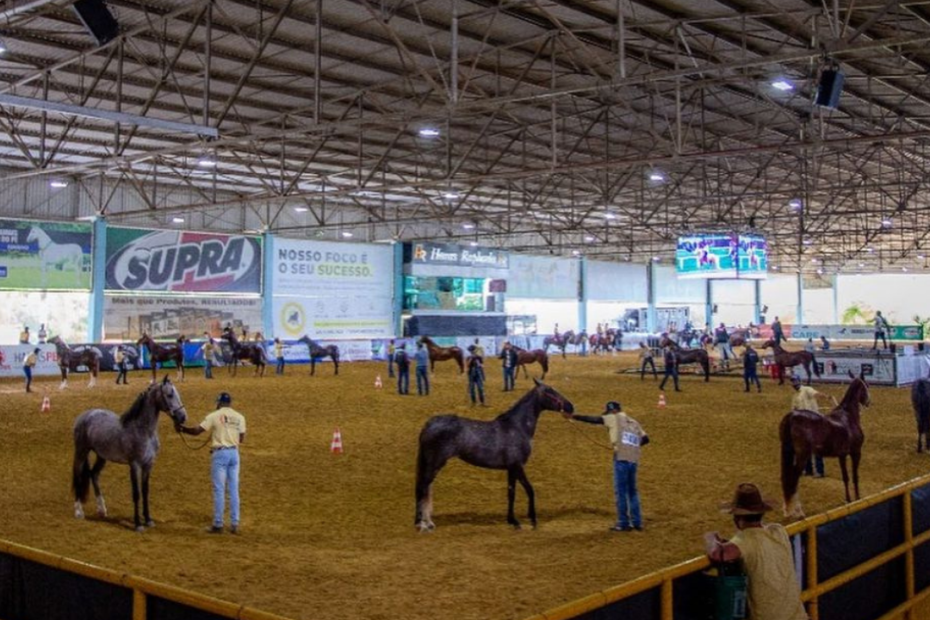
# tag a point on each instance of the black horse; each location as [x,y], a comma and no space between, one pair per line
[920,399]
[502,443]
[252,352]
[319,352]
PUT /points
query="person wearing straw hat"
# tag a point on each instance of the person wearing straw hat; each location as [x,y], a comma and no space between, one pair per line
[627,438]
[764,552]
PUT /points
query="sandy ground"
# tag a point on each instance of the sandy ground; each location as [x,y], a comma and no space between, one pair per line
[331,537]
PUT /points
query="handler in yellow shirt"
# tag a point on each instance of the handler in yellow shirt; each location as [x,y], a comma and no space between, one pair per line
[764,551]
[806,398]
[227,430]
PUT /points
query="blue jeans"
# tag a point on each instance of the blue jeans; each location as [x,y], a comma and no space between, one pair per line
[422,381]
[508,378]
[27,370]
[279,367]
[403,380]
[626,494]
[208,369]
[476,385]
[224,471]
[390,361]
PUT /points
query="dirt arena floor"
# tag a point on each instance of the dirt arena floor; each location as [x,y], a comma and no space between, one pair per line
[331,537]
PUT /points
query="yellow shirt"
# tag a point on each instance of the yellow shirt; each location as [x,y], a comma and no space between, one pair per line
[225,424]
[805,398]
[278,349]
[626,435]
[119,356]
[209,349]
[30,360]
[24,338]
[774,593]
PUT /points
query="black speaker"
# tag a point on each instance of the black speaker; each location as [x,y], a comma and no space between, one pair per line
[98,20]
[829,88]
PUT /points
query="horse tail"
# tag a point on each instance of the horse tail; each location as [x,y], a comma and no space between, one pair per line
[436,446]
[705,364]
[920,399]
[789,479]
[334,353]
[459,358]
[814,364]
[544,362]
[80,481]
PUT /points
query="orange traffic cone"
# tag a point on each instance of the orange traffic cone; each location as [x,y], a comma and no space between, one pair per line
[661,401]
[46,405]
[378,385]
[336,446]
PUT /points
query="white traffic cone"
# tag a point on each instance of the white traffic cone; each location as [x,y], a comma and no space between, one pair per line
[336,445]
[661,404]
[46,405]
[378,384]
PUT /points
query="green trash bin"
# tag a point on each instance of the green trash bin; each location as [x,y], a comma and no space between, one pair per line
[730,588]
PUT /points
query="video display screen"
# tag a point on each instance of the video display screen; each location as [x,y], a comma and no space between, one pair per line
[718,255]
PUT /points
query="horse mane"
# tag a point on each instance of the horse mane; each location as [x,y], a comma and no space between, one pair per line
[518,406]
[851,397]
[135,410]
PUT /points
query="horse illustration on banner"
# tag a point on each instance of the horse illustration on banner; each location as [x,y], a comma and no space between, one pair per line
[56,256]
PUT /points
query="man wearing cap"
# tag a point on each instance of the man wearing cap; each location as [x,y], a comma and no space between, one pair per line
[28,364]
[764,551]
[806,399]
[510,359]
[627,437]
[227,431]
[671,368]
[750,373]
[24,336]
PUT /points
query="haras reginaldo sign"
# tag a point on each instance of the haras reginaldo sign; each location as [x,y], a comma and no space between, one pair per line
[426,253]
[182,261]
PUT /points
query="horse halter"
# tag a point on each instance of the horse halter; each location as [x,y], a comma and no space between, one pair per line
[173,412]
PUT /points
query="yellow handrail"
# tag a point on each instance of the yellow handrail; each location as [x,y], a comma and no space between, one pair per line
[814,589]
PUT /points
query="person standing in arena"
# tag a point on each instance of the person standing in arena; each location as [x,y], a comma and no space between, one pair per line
[509,357]
[750,368]
[764,552]
[28,364]
[627,437]
[209,355]
[227,431]
[402,360]
[422,361]
[805,399]
[475,376]
[278,356]
[777,332]
[646,358]
[120,359]
[881,326]
[24,336]
[391,352]
[671,369]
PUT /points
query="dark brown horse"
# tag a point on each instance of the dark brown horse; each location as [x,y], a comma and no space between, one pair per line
[525,357]
[441,354]
[920,399]
[838,434]
[610,340]
[161,353]
[319,352]
[252,352]
[69,359]
[740,337]
[687,356]
[560,341]
[788,359]
[502,443]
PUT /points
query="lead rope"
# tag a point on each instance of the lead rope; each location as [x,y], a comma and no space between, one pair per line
[184,439]
[594,441]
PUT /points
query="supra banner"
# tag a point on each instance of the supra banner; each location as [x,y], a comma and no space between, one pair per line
[44,255]
[182,261]
[127,316]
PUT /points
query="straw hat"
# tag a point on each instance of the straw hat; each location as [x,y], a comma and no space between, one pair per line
[747,500]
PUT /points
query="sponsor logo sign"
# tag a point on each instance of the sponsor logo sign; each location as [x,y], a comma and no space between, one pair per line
[852,332]
[170,260]
[45,255]
[426,253]
[333,317]
[167,317]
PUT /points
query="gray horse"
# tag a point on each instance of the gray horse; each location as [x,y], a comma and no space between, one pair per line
[131,438]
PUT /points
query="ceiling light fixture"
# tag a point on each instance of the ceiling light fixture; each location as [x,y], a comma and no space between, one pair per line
[58,184]
[473,244]
[450,196]
[301,209]
[206,162]
[610,216]
[576,252]
[795,204]
[589,238]
[177,220]
[886,223]
[429,132]
[468,225]
[346,234]
[656,176]
[782,85]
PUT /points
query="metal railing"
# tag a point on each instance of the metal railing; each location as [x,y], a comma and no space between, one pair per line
[814,589]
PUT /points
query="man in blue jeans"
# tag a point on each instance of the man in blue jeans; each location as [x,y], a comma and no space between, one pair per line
[227,430]
[510,357]
[627,437]
[422,358]
[403,370]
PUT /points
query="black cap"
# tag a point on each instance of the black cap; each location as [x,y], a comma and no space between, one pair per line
[612,406]
[224,399]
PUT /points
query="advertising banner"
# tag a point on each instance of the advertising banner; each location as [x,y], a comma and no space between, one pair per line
[12,357]
[879,370]
[332,290]
[333,317]
[44,255]
[853,332]
[182,261]
[425,253]
[167,317]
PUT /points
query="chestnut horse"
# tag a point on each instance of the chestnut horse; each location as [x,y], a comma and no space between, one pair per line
[69,359]
[441,354]
[788,359]
[160,353]
[687,356]
[838,434]
[525,357]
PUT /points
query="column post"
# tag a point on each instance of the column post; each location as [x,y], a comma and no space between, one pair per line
[98,279]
